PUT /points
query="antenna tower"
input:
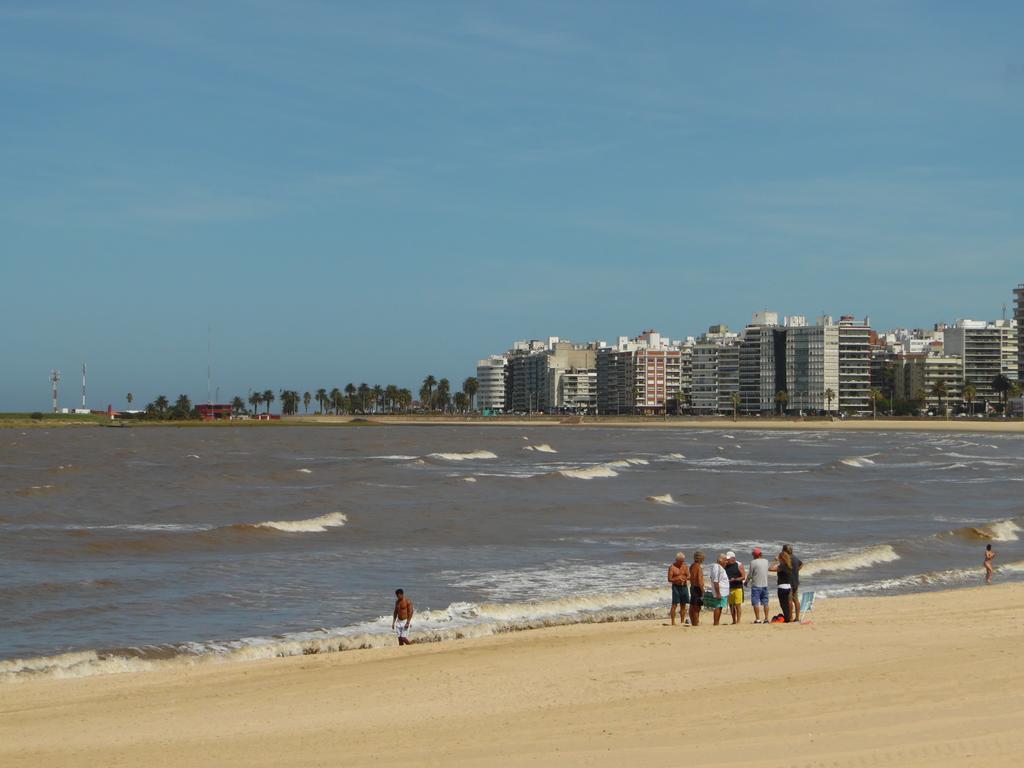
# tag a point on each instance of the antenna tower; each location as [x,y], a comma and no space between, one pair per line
[83,386]
[54,378]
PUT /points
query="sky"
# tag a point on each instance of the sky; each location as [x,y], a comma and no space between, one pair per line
[370,192]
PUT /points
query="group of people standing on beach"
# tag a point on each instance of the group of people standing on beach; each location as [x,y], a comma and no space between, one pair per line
[726,582]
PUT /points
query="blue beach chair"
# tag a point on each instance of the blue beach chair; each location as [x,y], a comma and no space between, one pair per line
[806,606]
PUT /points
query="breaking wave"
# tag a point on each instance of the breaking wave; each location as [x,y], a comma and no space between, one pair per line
[857,461]
[469,456]
[663,499]
[1001,530]
[542,448]
[457,621]
[312,525]
[607,469]
[851,561]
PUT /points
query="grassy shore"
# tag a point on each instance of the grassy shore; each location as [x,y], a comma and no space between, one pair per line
[931,679]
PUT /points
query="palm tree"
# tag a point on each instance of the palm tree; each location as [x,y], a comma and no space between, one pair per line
[364,395]
[781,401]
[969,394]
[830,395]
[378,397]
[939,391]
[390,397]
[129,398]
[876,396]
[161,404]
[1001,385]
[321,398]
[734,398]
[237,405]
[920,396]
[306,400]
[350,390]
[268,398]
[470,387]
[443,394]
[334,399]
[428,385]
[461,399]
[404,398]
[182,407]
[254,400]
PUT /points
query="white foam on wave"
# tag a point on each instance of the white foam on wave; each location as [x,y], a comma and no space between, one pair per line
[663,499]
[857,461]
[305,471]
[1003,530]
[542,448]
[457,621]
[468,456]
[851,561]
[469,479]
[607,469]
[312,525]
[589,473]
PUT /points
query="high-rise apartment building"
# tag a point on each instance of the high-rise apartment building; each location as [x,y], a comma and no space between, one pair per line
[640,375]
[1018,315]
[986,350]
[854,365]
[536,369]
[762,368]
[714,371]
[490,376]
[935,379]
[812,366]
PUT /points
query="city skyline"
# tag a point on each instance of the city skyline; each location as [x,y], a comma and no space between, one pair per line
[70,390]
[323,183]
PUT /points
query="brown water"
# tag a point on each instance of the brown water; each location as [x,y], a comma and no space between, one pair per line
[119,547]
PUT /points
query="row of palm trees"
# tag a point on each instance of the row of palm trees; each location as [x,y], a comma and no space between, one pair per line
[434,395]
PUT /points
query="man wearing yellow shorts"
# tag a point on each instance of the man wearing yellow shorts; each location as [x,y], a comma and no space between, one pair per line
[736,576]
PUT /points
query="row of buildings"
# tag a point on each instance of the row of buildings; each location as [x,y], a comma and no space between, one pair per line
[773,365]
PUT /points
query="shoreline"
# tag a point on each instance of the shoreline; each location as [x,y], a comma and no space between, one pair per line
[868,681]
[722,424]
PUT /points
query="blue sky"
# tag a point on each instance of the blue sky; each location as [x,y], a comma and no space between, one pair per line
[372,192]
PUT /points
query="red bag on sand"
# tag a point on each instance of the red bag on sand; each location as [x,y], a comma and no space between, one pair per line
[779,620]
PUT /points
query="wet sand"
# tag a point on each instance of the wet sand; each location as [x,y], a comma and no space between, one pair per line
[928,679]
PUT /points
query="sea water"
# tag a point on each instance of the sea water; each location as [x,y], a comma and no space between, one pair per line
[128,549]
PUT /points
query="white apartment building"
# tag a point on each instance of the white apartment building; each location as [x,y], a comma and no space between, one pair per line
[1018,316]
[812,367]
[761,363]
[854,365]
[714,371]
[490,377]
[986,349]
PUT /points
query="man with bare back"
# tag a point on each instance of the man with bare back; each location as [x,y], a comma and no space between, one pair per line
[696,587]
[402,616]
[990,555]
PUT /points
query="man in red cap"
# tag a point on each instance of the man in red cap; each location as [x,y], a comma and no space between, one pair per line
[757,579]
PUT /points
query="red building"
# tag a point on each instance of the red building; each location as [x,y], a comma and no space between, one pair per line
[213,411]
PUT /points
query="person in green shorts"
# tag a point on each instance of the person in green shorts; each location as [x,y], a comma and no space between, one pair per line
[719,588]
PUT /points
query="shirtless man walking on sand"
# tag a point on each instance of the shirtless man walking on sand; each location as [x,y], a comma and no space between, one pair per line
[678,575]
[402,616]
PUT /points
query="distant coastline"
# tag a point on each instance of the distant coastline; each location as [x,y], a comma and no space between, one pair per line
[725,424]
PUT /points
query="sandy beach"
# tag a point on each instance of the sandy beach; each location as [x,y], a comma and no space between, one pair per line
[928,679]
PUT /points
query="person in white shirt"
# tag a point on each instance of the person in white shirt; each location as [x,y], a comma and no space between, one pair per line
[719,587]
[757,580]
